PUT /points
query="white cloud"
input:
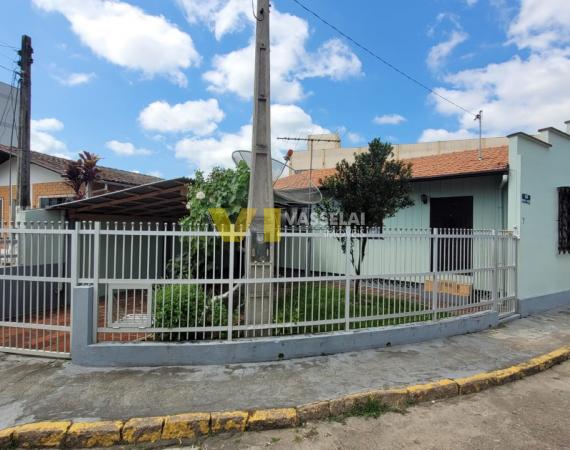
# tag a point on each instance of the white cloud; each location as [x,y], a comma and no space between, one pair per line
[42,139]
[200,117]
[126,148]
[541,24]
[439,53]
[205,153]
[291,62]
[431,135]
[471,2]
[49,124]
[127,36]
[526,92]
[452,37]
[221,16]
[389,119]
[333,59]
[354,138]
[74,79]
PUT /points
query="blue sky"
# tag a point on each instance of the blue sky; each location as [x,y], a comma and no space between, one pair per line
[163,87]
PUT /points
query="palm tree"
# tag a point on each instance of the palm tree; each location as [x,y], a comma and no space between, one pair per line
[74,175]
[84,171]
[90,170]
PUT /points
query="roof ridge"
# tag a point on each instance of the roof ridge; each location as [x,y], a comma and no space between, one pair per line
[44,160]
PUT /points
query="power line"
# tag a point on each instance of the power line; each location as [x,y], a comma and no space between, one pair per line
[382,60]
[11,58]
[2,44]
[7,68]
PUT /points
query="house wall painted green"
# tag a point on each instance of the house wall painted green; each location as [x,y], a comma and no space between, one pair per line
[538,168]
[404,255]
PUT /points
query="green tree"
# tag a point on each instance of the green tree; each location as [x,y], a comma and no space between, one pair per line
[376,185]
[222,188]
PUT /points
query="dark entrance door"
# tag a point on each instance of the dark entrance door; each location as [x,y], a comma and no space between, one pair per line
[456,213]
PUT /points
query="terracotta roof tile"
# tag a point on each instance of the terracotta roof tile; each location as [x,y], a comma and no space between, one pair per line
[108,174]
[495,160]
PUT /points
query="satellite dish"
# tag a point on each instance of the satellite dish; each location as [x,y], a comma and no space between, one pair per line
[301,190]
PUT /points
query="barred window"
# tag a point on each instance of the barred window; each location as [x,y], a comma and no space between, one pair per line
[564,219]
[46,202]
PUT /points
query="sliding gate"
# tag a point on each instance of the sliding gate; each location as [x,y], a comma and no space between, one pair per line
[35,287]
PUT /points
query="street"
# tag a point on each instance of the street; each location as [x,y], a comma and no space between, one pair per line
[531,413]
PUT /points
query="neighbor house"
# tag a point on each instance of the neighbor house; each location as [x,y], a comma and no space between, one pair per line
[48,186]
[9,104]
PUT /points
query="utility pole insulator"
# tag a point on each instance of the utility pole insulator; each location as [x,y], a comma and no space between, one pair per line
[24,151]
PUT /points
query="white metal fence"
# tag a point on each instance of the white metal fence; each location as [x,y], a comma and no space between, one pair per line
[158,282]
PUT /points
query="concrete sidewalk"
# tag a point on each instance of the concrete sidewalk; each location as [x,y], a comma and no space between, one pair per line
[33,389]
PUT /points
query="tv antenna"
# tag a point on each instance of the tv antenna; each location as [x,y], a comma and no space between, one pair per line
[479,117]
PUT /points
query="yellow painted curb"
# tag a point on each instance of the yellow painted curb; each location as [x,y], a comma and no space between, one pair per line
[48,434]
[436,390]
[184,427]
[269,419]
[94,434]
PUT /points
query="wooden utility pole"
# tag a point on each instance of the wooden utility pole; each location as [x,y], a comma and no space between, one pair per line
[259,307]
[24,155]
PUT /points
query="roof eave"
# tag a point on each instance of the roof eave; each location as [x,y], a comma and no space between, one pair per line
[528,137]
[556,131]
[500,171]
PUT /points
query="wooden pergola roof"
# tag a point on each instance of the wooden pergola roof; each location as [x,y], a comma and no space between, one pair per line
[160,201]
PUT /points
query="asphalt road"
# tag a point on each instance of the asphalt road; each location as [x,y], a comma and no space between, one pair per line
[533,413]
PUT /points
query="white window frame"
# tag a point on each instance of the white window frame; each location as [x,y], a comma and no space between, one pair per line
[50,196]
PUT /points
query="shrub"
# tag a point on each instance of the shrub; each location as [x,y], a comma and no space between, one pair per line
[181,305]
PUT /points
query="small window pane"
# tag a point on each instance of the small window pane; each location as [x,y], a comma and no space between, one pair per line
[52,201]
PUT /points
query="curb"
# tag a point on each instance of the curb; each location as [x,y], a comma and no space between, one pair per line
[187,427]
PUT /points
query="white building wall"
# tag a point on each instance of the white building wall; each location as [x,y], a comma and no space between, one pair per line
[9,100]
[38,174]
[538,170]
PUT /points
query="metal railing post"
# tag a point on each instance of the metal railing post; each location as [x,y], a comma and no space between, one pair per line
[231,283]
[74,269]
[495,263]
[347,281]
[74,275]
[96,248]
[435,270]
[516,241]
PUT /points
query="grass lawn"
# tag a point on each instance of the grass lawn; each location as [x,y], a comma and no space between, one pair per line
[306,302]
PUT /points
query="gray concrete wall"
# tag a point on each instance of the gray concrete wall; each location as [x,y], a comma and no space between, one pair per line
[536,305]
[87,353]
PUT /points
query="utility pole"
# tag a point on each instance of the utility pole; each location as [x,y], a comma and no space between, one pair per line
[25,64]
[259,304]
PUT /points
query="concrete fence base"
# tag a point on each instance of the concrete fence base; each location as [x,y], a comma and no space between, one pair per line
[536,305]
[84,351]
